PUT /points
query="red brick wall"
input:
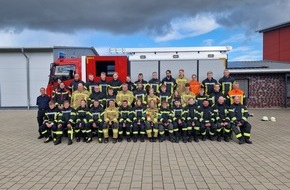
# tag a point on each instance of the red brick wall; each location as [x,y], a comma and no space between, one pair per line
[276,45]
[265,90]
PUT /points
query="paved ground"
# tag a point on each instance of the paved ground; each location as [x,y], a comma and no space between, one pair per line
[28,163]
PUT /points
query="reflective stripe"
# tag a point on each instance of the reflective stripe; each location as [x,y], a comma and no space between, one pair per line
[239,135]
[155,130]
[77,130]
[184,129]
[170,131]
[100,131]
[121,132]
[211,133]
[135,133]
[175,129]
[227,130]
[88,131]
[218,130]
[196,128]
[58,132]
[43,132]
[142,132]
[203,133]
[161,133]
[247,134]
[128,133]
[189,128]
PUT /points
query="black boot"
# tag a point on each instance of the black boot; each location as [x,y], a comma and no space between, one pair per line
[195,137]
[161,138]
[84,136]
[58,139]
[69,141]
[203,138]
[114,141]
[241,140]
[176,136]
[106,140]
[135,138]
[226,138]
[247,140]
[120,138]
[78,136]
[128,138]
[219,138]
[171,137]
[142,138]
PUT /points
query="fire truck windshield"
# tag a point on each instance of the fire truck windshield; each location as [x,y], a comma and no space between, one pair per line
[64,72]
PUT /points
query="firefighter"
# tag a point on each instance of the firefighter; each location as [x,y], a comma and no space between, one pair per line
[90,84]
[81,122]
[141,80]
[152,121]
[60,95]
[74,84]
[131,85]
[215,95]
[169,82]
[181,80]
[152,96]
[78,95]
[97,95]
[209,83]
[42,102]
[186,95]
[103,84]
[110,96]
[194,84]
[111,115]
[96,119]
[165,122]
[176,96]
[178,121]
[226,82]
[164,95]
[139,120]
[140,93]
[125,121]
[236,92]
[201,97]
[51,123]
[68,120]
[207,125]
[115,83]
[155,83]
[222,119]
[191,116]
[238,114]
[125,94]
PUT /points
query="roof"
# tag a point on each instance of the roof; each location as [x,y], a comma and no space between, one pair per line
[282,25]
[258,67]
[41,49]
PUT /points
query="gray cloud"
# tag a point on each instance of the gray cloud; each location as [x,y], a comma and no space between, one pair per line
[129,16]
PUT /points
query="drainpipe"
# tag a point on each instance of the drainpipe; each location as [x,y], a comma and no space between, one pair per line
[27,78]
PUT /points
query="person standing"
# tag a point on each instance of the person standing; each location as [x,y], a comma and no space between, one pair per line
[169,82]
[42,103]
[226,82]
[194,84]
[181,80]
[209,83]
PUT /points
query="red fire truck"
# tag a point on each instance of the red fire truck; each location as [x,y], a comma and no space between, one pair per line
[132,61]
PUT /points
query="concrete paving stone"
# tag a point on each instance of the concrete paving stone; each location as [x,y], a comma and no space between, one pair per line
[59,186]
[214,186]
[201,185]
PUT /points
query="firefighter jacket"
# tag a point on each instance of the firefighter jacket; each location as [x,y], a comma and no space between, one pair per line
[103,84]
[60,95]
[206,114]
[190,112]
[180,84]
[90,85]
[52,116]
[221,112]
[140,94]
[121,96]
[152,115]
[68,116]
[111,114]
[154,98]
[185,96]
[139,113]
[164,96]
[78,96]
[177,113]
[82,114]
[101,97]
[131,86]
[110,97]
[74,85]
[238,113]
[195,86]
[126,114]
[155,84]
[200,99]
[239,93]
[226,84]
[214,97]
[115,85]
[144,83]
[96,114]
[209,85]
[170,84]
[165,115]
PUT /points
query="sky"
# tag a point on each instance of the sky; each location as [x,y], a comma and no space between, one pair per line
[105,24]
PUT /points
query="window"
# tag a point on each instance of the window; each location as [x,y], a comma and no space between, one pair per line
[244,85]
[288,85]
[105,66]
[65,72]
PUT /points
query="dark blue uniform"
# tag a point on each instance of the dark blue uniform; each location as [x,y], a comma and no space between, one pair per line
[42,103]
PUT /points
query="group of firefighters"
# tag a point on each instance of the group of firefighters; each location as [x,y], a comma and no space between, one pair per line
[174,109]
